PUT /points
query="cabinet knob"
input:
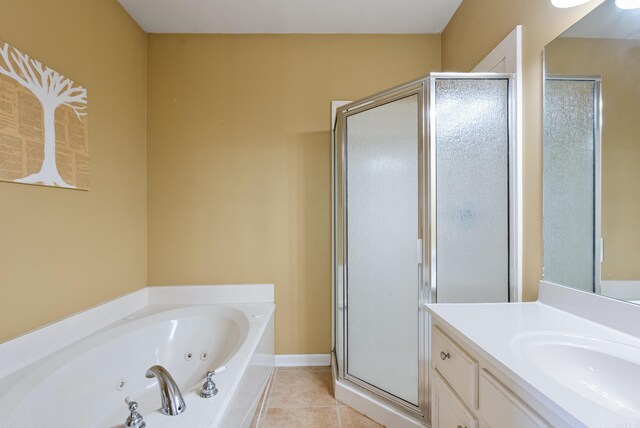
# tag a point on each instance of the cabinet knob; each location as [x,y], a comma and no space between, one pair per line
[444,356]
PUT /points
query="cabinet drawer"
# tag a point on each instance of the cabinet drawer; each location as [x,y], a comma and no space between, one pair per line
[500,408]
[455,366]
[448,410]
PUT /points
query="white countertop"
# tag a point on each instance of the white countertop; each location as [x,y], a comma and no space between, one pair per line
[492,329]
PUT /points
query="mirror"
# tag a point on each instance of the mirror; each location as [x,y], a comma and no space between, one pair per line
[591,154]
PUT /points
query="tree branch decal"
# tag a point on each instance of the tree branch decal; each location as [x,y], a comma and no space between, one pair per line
[52,90]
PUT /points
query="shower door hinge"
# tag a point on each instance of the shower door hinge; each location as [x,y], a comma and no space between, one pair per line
[419,251]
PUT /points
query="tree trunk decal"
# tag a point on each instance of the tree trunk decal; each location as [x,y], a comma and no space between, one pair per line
[52,90]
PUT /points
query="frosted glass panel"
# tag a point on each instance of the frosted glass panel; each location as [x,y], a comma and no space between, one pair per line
[569,177]
[472,193]
[382,231]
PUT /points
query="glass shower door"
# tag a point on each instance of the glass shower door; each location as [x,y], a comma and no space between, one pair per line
[382,151]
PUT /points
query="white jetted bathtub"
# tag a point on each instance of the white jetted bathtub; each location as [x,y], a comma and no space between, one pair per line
[88,383]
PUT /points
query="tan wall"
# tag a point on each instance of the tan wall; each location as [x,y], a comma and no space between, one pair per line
[239,160]
[616,61]
[62,251]
[475,29]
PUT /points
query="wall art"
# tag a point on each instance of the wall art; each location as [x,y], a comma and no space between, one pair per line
[43,124]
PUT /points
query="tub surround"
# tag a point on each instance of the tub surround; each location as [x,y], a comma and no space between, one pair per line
[30,347]
[505,340]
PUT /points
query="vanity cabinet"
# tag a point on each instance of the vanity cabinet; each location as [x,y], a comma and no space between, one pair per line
[467,391]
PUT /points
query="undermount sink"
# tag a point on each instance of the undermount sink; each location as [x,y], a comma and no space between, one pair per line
[604,372]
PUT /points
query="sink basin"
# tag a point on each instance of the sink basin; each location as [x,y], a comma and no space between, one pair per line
[604,372]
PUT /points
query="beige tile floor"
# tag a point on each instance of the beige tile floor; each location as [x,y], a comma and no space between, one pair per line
[303,397]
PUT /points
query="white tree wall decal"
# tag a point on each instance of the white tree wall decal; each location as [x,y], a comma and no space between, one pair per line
[52,91]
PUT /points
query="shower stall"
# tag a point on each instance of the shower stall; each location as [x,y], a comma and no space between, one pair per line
[422,213]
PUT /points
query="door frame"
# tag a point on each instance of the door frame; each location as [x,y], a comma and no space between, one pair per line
[509,53]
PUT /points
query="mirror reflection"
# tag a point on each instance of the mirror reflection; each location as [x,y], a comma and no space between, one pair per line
[591,154]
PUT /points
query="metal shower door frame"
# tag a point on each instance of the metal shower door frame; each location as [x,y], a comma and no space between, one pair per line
[417,88]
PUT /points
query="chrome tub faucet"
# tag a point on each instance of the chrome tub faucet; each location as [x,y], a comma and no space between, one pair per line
[172,401]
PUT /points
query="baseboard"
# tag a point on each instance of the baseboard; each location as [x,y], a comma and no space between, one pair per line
[303,360]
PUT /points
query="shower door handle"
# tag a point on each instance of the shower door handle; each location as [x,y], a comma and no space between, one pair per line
[424,283]
[423,299]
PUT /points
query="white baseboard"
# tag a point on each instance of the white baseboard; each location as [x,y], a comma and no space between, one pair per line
[303,360]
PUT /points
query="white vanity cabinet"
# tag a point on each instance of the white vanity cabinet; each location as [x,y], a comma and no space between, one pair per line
[467,391]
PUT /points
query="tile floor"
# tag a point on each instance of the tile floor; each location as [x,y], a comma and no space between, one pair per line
[302,397]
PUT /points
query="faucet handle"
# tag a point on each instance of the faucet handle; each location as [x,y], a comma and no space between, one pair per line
[219,370]
[209,388]
[135,419]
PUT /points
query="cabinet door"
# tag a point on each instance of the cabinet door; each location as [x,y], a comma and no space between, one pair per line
[457,367]
[502,409]
[447,409]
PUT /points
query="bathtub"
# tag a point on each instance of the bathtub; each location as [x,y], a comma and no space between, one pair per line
[88,383]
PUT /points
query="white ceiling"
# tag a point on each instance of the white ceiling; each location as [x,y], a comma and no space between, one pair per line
[607,21]
[291,16]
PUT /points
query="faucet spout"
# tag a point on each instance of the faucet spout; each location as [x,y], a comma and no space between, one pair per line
[172,401]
